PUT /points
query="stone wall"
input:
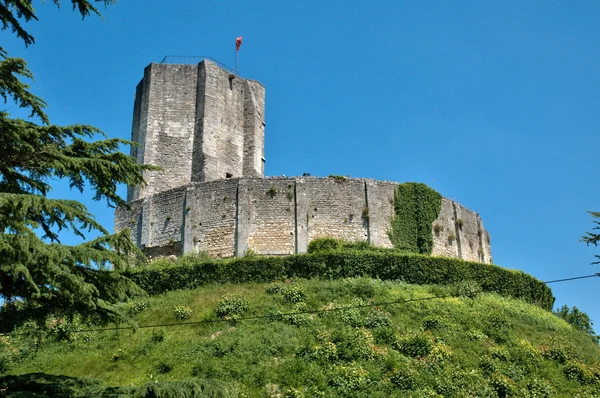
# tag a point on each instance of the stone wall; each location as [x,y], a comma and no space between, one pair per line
[197,123]
[280,216]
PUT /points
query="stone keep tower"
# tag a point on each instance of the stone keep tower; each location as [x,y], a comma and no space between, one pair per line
[198,123]
[204,126]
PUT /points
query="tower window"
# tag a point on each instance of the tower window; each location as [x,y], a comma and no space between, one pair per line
[228,175]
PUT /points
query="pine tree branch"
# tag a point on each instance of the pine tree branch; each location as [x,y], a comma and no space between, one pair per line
[12,87]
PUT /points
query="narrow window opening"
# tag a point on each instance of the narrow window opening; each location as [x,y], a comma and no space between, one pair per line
[228,175]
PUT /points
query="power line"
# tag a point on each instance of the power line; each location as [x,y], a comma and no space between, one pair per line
[252,318]
[572,279]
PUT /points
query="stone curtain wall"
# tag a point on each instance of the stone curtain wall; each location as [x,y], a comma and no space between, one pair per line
[198,123]
[459,232]
[280,216]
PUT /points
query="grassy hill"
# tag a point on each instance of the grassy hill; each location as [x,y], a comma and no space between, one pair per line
[342,340]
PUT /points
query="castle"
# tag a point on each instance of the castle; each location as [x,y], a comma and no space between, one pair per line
[203,126]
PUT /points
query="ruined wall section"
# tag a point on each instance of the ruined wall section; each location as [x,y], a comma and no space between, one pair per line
[380,198]
[471,235]
[214,217]
[131,218]
[166,218]
[280,216]
[444,230]
[337,209]
[266,207]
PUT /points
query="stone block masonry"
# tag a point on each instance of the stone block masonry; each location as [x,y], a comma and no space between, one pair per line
[280,216]
[197,123]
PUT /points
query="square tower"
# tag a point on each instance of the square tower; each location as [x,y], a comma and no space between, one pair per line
[197,123]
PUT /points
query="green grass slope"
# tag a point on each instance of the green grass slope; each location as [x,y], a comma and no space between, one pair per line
[235,340]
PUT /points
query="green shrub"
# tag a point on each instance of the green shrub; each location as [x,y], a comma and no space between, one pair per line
[362,287]
[119,355]
[137,306]
[9,353]
[275,288]
[354,343]
[476,335]
[579,372]
[158,336]
[349,378]
[540,388]
[297,319]
[579,319]
[415,345]
[432,323]
[231,307]
[293,294]
[504,386]
[416,207]
[338,178]
[182,313]
[404,379]
[324,244]
[249,253]
[377,318]
[385,335]
[382,264]
[163,368]
[64,330]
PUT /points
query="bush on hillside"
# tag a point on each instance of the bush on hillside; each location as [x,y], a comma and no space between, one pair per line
[579,319]
[385,265]
[326,244]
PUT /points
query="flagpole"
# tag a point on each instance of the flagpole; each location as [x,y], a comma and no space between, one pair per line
[236,61]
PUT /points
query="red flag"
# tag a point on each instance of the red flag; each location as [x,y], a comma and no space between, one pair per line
[238,43]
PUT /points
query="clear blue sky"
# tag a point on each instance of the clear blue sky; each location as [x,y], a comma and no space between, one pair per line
[494,104]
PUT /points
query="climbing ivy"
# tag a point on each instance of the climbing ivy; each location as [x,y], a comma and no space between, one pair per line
[416,207]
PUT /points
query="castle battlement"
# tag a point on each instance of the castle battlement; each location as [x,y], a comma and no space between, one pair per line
[204,126]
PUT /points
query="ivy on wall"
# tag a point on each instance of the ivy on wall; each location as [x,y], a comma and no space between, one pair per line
[416,207]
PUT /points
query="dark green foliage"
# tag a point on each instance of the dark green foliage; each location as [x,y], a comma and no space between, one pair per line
[42,385]
[331,244]
[158,336]
[293,294]
[385,265]
[416,207]
[231,307]
[417,345]
[182,312]
[432,323]
[163,367]
[592,238]
[338,178]
[579,319]
[45,275]
[404,379]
